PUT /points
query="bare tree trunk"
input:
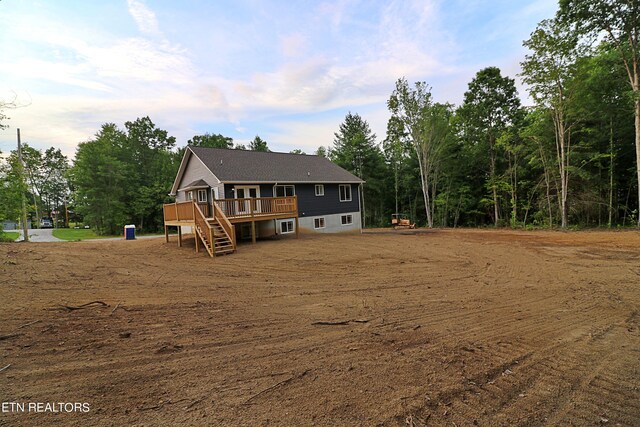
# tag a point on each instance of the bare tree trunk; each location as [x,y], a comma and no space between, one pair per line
[611,164]
[494,190]
[424,183]
[637,114]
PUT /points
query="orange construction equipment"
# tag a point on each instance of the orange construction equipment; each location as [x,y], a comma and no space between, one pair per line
[401,221]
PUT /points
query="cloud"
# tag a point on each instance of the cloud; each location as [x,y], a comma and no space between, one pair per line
[144,17]
[293,44]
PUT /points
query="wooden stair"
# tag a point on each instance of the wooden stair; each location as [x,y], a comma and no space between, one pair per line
[221,242]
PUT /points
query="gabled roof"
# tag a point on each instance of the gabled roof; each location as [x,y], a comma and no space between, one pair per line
[200,183]
[243,166]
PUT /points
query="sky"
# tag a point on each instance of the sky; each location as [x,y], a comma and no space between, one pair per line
[288,71]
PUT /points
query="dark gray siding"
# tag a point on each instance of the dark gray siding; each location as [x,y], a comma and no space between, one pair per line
[266,190]
[311,205]
[308,203]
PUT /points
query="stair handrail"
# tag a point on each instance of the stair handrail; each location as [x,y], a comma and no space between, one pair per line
[226,225]
[202,222]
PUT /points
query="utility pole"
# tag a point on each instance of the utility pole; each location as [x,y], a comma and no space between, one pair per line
[25,228]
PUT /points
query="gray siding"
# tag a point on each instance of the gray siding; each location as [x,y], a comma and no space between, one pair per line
[195,170]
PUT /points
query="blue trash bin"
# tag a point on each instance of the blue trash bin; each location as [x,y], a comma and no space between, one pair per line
[130,232]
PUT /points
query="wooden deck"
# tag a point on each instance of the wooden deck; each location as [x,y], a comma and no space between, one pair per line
[215,229]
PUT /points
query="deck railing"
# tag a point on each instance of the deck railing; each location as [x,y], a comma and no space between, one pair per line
[204,229]
[183,211]
[234,209]
[258,207]
[228,228]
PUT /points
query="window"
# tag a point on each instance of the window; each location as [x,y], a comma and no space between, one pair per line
[284,191]
[346,219]
[319,190]
[202,196]
[286,227]
[189,195]
[345,192]
[318,223]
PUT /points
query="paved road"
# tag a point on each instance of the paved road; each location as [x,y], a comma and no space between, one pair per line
[41,235]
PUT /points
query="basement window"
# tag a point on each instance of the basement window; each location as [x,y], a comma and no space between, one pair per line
[346,219]
[318,223]
[286,227]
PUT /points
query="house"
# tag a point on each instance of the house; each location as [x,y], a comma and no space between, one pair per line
[229,194]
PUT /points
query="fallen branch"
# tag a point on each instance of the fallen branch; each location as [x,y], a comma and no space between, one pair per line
[6,367]
[192,404]
[80,307]
[6,337]
[283,382]
[340,322]
[115,308]
[29,324]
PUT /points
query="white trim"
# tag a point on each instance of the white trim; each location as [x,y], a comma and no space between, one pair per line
[285,189]
[318,187]
[320,223]
[183,167]
[215,193]
[340,192]
[315,181]
[286,221]
[349,217]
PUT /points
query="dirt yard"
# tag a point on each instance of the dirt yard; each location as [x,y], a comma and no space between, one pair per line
[489,328]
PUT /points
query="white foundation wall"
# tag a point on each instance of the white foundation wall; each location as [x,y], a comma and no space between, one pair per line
[332,223]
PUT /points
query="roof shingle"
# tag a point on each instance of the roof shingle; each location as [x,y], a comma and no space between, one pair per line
[243,166]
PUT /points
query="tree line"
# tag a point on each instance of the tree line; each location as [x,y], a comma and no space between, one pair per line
[570,159]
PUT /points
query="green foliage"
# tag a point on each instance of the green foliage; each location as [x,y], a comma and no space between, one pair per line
[124,177]
[8,236]
[355,149]
[211,141]
[258,144]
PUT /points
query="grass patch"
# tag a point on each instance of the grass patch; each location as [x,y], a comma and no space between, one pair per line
[75,235]
[9,236]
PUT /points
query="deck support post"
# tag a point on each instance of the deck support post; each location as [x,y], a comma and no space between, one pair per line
[297,232]
[179,236]
[253,232]
[166,233]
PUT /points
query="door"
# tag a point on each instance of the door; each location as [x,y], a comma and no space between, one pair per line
[247,192]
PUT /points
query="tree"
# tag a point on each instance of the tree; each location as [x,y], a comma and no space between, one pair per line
[146,152]
[258,144]
[427,126]
[46,177]
[321,151]
[211,141]
[490,106]
[100,180]
[12,187]
[297,151]
[619,20]
[355,149]
[549,71]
